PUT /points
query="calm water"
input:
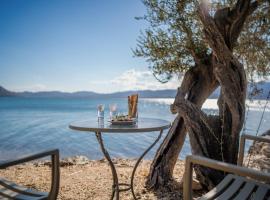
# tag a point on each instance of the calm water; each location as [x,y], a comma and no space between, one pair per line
[30,125]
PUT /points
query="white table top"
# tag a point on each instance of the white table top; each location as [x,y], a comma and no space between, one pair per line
[143,125]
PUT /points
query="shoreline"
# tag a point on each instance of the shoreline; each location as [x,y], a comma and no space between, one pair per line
[92,179]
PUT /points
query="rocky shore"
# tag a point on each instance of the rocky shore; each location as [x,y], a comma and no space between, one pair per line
[259,155]
[82,178]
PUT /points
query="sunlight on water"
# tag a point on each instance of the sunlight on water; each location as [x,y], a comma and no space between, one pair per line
[212,103]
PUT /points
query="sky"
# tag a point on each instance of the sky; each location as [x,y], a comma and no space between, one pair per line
[73,45]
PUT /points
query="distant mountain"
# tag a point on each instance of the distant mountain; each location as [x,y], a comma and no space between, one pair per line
[264,86]
[6,93]
[53,94]
[86,94]
[145,94]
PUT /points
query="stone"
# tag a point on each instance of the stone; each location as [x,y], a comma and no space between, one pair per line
[259,155]
[195,184]
[76,160]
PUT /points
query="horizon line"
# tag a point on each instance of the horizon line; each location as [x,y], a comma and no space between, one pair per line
[70,92]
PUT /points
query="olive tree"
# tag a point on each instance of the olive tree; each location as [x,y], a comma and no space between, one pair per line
[222,43]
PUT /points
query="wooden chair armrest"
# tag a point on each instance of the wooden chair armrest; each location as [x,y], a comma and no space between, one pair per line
[10,163]
[55,180]
[243,139]
[218,165]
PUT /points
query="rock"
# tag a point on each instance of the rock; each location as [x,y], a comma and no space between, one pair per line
[195,184]
[76,160]
[259,155]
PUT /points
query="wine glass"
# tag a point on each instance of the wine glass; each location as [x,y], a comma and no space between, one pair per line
[100,111]
[113,109]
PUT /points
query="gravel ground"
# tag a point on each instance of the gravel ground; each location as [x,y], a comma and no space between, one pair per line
[92,179]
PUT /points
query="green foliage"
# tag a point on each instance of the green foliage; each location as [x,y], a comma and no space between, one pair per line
[174,40]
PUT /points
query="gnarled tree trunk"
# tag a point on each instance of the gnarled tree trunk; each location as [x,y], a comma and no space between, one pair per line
[198,84]
[211,136]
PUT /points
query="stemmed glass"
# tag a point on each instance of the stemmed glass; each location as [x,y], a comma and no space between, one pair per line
[113,109]
[100,113]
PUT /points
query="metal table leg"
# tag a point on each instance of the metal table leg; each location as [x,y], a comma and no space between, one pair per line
[138,162]
[115,187]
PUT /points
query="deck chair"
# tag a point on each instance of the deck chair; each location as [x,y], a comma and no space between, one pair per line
[10,190]
[241,183]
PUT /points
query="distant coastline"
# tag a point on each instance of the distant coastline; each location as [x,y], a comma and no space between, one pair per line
[88,94]
[168,93]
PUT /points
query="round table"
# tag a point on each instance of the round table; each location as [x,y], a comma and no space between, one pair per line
[103,126]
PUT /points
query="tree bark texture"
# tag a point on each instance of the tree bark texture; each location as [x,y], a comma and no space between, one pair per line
[211,136]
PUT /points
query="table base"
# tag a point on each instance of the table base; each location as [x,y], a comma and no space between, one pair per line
[116,185]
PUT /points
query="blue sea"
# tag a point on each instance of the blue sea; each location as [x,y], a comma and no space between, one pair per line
[29,125]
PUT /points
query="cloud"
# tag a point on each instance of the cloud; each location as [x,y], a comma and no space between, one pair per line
[142,80]
[129,80]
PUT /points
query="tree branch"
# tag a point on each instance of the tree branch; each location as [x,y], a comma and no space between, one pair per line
[242,10]
[183,26]
[254,5]
[213,35]
[231,76]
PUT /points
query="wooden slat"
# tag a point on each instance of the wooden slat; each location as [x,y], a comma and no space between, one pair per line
[231,190]
[246,191]
[230,186]
[9,194]
[260,193]
[219,188]
[4,192]
[22,190]
[23,197]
